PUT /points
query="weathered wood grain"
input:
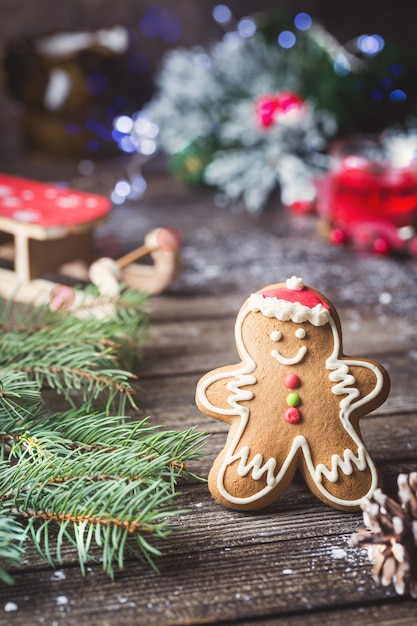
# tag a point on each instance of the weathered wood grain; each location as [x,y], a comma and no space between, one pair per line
[225,567]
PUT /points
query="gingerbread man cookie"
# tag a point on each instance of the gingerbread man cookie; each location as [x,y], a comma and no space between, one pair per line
[294,402]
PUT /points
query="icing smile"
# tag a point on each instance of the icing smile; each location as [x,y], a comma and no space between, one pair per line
[291,360]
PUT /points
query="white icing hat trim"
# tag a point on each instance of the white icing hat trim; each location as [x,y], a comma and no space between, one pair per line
[284,310]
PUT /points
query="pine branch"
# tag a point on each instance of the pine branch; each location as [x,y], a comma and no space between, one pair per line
[124,488]
[79,357]
[105,511]
[91,480]
[84,477]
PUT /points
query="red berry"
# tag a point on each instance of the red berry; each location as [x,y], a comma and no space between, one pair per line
[338,236]
[381,245]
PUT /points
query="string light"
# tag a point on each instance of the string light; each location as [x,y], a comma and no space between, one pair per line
[396,69]
[302,21]
[370,44]
[397,95]
[246,28]
[222,14]
[286,39]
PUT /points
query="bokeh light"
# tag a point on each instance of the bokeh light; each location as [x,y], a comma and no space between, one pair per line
[377,95]
[370,44]
[222,14]
[302,21]
[246,28]
[286,39]
[397,95]
[396,69]
[136,134]
[122,188]
[123,124]
[386,82]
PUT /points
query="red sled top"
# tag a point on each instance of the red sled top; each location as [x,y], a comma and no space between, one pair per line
[48,205]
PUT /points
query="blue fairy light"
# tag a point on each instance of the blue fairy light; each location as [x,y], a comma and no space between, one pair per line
[396,69]
[246,28]
[302,21]
[222,14]
[397,95]
[370,44]
[138,186]
[386,82]
[123,124]
[377,95]
[135,134]
[126,144]
[122,188]
[286,39]
[99,129]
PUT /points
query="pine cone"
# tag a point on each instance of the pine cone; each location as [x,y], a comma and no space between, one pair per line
[392,535]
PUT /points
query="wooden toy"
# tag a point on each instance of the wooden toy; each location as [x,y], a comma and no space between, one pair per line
[161,244]
[46,230]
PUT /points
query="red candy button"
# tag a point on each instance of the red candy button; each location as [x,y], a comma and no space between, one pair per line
[292,415]
[291,381]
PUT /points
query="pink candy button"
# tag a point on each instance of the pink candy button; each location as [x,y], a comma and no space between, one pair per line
[292,415]
[291,381]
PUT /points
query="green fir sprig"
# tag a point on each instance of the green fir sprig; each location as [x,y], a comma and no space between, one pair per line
[79,356]
[84,478]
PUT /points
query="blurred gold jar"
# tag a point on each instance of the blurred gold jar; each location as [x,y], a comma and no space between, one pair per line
[70,85]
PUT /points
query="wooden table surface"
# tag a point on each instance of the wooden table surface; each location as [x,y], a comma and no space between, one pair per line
[290,563]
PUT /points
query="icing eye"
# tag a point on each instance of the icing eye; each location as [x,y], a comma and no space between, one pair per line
[300,333]
[275,335]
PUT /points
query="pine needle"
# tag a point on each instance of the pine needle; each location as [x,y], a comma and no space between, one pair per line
[11,551]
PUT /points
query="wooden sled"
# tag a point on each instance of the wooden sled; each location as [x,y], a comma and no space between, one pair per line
[46,229]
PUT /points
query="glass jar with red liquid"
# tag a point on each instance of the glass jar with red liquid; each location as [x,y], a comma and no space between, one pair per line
[370,191]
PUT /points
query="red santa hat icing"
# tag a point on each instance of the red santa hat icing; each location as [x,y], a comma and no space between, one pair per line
[293,302]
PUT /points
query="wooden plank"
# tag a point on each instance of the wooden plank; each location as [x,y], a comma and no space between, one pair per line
[231,567]
[391,613]
[211,341]
[360,332]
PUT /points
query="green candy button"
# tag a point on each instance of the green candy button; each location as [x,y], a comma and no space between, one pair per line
[293,399]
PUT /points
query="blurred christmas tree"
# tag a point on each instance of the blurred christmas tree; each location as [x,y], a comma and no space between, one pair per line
[207,104]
